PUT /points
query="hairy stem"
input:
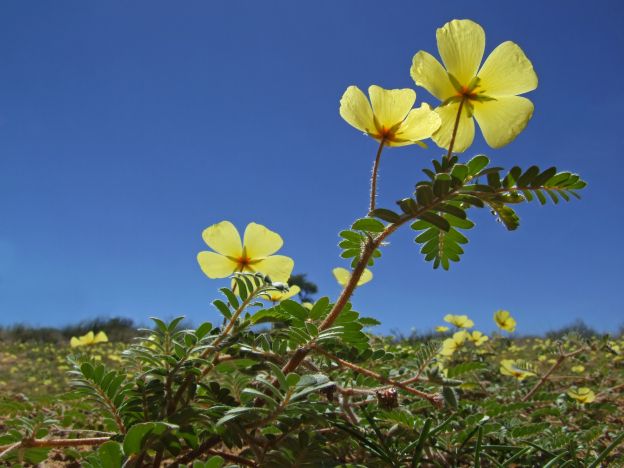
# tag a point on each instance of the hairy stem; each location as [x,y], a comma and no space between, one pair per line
[50,443]
[373,191]
[455,127]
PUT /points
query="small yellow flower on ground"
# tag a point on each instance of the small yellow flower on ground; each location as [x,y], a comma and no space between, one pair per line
[582,395]
[578,369]
[490,93]
[254,254]
[278,296]
[88,339]
[460,321]
[343,276]
[441,328]
[504,321]
[450,345]
[389,116]
[508,367]
[478,338]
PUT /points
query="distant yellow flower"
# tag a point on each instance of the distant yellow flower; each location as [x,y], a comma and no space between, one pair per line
[508,367]
[504,321]
[490,93]
[343,276]
[278,296]
[582,395]
[578,369]
[478,338]
[254,254]
[391,117]
[441,328]
[88,339]
[450,345]
[460,321]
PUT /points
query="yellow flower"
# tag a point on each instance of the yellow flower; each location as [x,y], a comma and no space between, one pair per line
[441,328]
[391,117]
[505,321]
[460,321]
[343,275]
[278,296]
[88,339]
[508,367]
[450,345]
[490,93]
[582,395]
[578,369]
[478,338]
[254,254]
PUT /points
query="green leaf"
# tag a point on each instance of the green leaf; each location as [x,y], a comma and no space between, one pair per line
[137,436]
[110,454]
[203,330]
[506,215]
[437,220]
[319,309]
[231,297]
[223,308]
[441,184]
[477,163]
[385,214]
[368,225]
[424,195]
[294,309]
[451,209]
[408,205]
[525,179]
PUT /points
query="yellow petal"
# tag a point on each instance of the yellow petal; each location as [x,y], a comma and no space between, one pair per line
[216,266]
[224,239]
[356,110]
[367,275]
[260,242]
[390,106]
[278,267]
[502,120]
[88,338]
[343,276]
[427,72]
[74,342]
[276,296]
[100,338]
[465,132]
[461,44]
[419,124]
[507,71]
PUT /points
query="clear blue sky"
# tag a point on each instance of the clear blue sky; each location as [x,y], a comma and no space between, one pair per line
[126,128]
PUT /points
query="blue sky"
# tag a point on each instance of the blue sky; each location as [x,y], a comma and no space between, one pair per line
[126,128]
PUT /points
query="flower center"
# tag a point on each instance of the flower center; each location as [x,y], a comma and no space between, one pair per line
[244,262]
[468,92]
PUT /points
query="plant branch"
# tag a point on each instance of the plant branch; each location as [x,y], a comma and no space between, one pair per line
[51,443]
[553,368]
[431,398]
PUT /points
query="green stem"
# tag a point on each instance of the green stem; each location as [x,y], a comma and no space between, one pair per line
[454,134]
[373,192]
